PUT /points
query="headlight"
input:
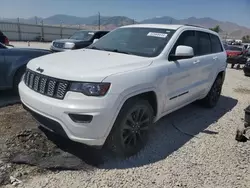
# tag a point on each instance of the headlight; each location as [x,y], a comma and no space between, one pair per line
[69,45]
[91,89]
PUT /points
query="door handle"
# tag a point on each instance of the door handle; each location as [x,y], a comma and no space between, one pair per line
[215,58]
[197,61]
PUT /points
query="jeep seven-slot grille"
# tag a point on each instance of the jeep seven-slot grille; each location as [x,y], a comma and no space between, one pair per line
[45,85]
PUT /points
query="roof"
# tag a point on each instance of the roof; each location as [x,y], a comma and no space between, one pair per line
[94,31]
[159,26]
[171,26]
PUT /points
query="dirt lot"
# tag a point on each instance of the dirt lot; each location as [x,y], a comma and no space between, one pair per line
[39,45]
[193,147]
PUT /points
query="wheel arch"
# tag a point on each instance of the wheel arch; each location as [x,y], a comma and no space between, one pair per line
[15,73]
[149,94]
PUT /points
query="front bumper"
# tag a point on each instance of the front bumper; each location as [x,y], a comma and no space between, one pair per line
[53,114]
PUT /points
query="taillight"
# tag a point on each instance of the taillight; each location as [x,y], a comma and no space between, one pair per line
[6,41]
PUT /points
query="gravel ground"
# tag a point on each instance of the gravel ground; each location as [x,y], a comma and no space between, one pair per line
[39,45]
[193,147]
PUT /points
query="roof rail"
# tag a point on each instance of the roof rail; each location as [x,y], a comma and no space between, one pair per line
[194,25]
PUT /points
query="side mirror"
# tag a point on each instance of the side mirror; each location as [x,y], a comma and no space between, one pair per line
[95,40]
[182,52]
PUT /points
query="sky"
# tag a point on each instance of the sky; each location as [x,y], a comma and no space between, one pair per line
[237,11]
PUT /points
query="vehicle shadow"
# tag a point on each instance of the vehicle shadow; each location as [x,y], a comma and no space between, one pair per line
[170,134]
[8,98]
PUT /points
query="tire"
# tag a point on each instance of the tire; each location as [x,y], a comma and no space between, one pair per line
[17,80]
[213,96]
[128,136]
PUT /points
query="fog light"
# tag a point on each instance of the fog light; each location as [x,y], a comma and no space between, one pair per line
[79,118]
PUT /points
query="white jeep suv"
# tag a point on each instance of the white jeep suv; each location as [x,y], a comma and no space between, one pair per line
[112,92]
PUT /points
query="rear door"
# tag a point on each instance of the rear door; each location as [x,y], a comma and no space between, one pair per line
[219,55]
[207,64]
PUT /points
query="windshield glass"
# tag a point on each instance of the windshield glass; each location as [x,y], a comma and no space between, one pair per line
[82,35]
[146,42]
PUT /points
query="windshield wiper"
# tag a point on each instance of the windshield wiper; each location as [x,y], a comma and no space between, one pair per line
[94,48]
[109,50]
[118,51]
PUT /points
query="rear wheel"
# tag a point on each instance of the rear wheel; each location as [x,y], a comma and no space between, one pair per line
[130,132]
[213,96]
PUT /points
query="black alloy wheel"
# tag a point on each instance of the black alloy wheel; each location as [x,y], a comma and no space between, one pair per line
[131,129]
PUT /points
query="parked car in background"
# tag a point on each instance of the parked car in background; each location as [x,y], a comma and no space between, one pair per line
[4,39]
[236,55]
[111,93]
[246,68]
[13,64]
[80,39]
[247,47]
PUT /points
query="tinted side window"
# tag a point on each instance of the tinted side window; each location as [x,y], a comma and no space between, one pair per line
[104,33]
[204,44]
[100,35]
[187,38]
[216,44]
[97,35]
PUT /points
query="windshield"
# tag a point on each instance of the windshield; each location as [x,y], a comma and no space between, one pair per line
[146,42]
[82,35]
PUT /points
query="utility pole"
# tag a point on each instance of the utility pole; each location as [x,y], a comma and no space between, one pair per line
[19,29]
[36,19]
[99,20]
[42,37]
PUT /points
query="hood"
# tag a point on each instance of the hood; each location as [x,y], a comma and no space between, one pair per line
[87,64]
[68,40]
[28,51]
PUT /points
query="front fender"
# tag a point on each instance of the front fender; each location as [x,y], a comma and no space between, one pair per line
[15,66]
[127,94]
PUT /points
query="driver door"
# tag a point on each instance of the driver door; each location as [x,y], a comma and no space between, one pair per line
[182,73]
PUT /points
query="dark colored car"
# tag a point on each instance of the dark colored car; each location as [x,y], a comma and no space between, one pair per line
[78,40]
[4,39]
[13,64]
[236,55]
[246,68]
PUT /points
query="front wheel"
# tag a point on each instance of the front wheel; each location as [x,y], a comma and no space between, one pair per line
[17,79]
[213,95]
[130,132]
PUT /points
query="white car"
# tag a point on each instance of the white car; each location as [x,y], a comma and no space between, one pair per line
[111,93]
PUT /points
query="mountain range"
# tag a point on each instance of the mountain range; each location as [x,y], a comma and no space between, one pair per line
[111,22]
